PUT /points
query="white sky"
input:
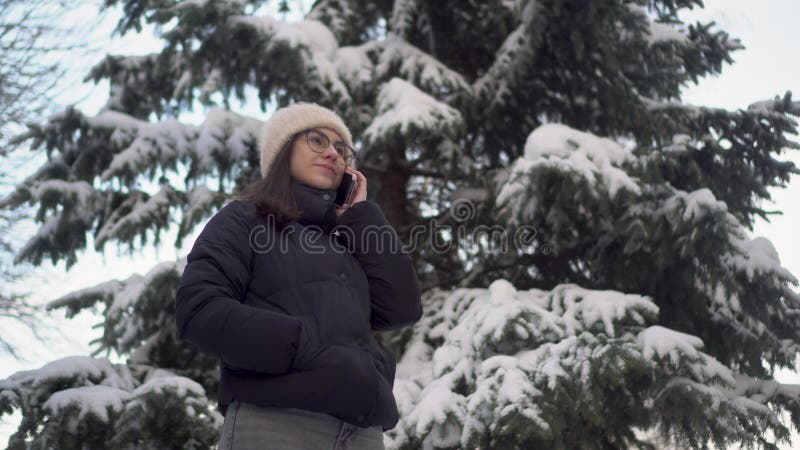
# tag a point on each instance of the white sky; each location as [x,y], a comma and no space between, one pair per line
[767,67]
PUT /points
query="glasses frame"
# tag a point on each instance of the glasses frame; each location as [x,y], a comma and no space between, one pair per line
[347,163]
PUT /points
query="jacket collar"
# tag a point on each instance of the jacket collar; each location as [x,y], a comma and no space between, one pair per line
[316,204]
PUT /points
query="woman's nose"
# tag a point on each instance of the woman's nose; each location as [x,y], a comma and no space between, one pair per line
[331,152]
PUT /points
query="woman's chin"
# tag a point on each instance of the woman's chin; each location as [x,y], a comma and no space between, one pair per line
[322,181]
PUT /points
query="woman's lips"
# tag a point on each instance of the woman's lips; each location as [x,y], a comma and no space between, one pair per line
[326,169]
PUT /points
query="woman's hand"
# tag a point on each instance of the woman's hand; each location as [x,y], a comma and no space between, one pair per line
[360,191]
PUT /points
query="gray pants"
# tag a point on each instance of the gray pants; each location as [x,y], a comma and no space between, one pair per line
[248,426]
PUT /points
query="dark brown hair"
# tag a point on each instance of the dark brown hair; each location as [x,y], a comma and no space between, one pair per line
[272,194]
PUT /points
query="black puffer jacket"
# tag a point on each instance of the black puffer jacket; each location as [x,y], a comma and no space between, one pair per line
[290,313]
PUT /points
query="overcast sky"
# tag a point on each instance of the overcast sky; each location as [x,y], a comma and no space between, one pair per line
[768,66]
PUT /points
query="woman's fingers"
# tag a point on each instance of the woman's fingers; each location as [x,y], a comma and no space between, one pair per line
[361,185]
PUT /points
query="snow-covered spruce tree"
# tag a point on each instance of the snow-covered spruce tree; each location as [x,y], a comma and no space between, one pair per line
[628,301]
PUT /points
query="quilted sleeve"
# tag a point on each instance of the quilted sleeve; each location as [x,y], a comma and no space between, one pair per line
[394,287]
[208,302]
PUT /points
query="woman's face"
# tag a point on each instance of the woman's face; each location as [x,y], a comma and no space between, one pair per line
[309,166]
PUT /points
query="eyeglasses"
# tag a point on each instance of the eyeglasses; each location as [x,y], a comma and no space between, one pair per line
[319,142]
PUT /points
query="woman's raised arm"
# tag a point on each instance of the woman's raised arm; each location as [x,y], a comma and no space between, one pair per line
[394,287]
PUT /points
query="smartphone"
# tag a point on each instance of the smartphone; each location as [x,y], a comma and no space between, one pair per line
[344,193]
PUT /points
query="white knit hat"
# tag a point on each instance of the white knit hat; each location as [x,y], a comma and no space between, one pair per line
[291,119]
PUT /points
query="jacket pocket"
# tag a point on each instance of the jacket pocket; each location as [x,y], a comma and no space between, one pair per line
[384,409]
[309,344]
[389,364]
[343,379]
[359,392]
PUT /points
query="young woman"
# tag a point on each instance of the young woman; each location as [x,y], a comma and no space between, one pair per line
[285,288]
